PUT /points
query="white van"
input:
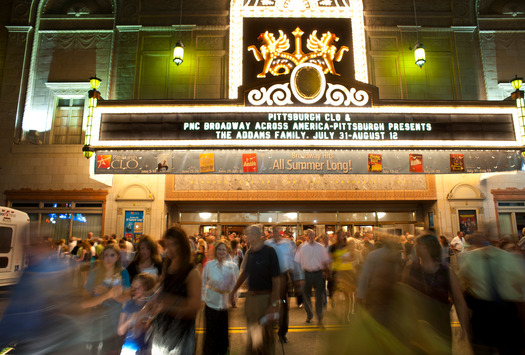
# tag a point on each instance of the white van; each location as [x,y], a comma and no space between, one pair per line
[14,237]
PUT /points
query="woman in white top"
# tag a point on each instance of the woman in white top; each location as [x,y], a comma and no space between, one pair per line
[218,278]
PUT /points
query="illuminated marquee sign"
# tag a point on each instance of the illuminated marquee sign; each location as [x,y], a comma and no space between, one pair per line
[300,127]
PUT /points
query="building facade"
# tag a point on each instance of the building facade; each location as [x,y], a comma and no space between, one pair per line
[50,48]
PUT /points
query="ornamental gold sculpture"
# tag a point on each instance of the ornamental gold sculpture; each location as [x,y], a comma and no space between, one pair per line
[279,62]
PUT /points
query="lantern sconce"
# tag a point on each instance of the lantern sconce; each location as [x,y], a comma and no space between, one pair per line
[518,96]
[178,50]
[93,96]
[419,49]
[419,54]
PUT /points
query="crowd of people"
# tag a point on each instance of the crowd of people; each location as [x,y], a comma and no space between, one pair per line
[395,293]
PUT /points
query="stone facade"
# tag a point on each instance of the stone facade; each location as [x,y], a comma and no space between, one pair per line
[49,49]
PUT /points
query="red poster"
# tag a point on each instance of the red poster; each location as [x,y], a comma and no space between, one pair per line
[249,163]
[103,161]
[415,162]
[457,163]
[375,163]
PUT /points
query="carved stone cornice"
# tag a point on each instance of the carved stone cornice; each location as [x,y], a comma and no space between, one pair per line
[72,88]
[76,39]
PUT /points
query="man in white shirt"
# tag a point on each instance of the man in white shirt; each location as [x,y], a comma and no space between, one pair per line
[458,243]
[314,260]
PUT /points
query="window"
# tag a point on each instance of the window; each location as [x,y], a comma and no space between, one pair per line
[67,123]
[61,220]
[6,238]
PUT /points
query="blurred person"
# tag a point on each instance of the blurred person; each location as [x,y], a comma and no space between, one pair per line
[174,310]
[72,243]
[445,249]
[84,259]
[161,246]
[236,253]
[494,284]
[521,241]
[429,275]
[458,243]
[379,274]
[314,260]
[106,288]
[285,250]
[59,246]
[200,255]
[261,268]
[345,263]
[507,243]
[101,244]
[147,259]
[218,278]
[40,316]
[142,287]
[125,255]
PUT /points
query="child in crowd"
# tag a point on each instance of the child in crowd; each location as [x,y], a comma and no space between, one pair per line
[135,342]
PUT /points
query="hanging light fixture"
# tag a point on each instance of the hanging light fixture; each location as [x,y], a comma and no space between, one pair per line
[93,96]
[178,50]
[419,49]
[520,105]
[419,54]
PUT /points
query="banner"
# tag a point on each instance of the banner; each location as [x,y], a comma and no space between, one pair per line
[306,162]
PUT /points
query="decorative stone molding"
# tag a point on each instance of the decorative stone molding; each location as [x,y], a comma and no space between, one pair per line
[465,192]
[312,188]
[510,193]
[81,40]
[72,88]
[135,192]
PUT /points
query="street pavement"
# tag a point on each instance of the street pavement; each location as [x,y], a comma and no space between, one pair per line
[303,338]
[306,338]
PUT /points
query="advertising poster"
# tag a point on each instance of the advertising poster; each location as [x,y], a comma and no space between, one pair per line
[375,163]
[133,224]
[249,163]
[467,221]
[457,163]
[207,162]
[415,162]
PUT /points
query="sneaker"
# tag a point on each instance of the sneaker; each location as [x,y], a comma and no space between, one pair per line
[309,320]
[320,324]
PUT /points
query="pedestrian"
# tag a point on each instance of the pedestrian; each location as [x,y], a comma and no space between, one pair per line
[236,254]
[285,250]
[494,284]
[174,310]
[429,275]
[313,258]
[261,268]
[445,249]
[379,274]
[458,243]
[146,260]
[106,285]
[142,287]
[345,261]
[218,278]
